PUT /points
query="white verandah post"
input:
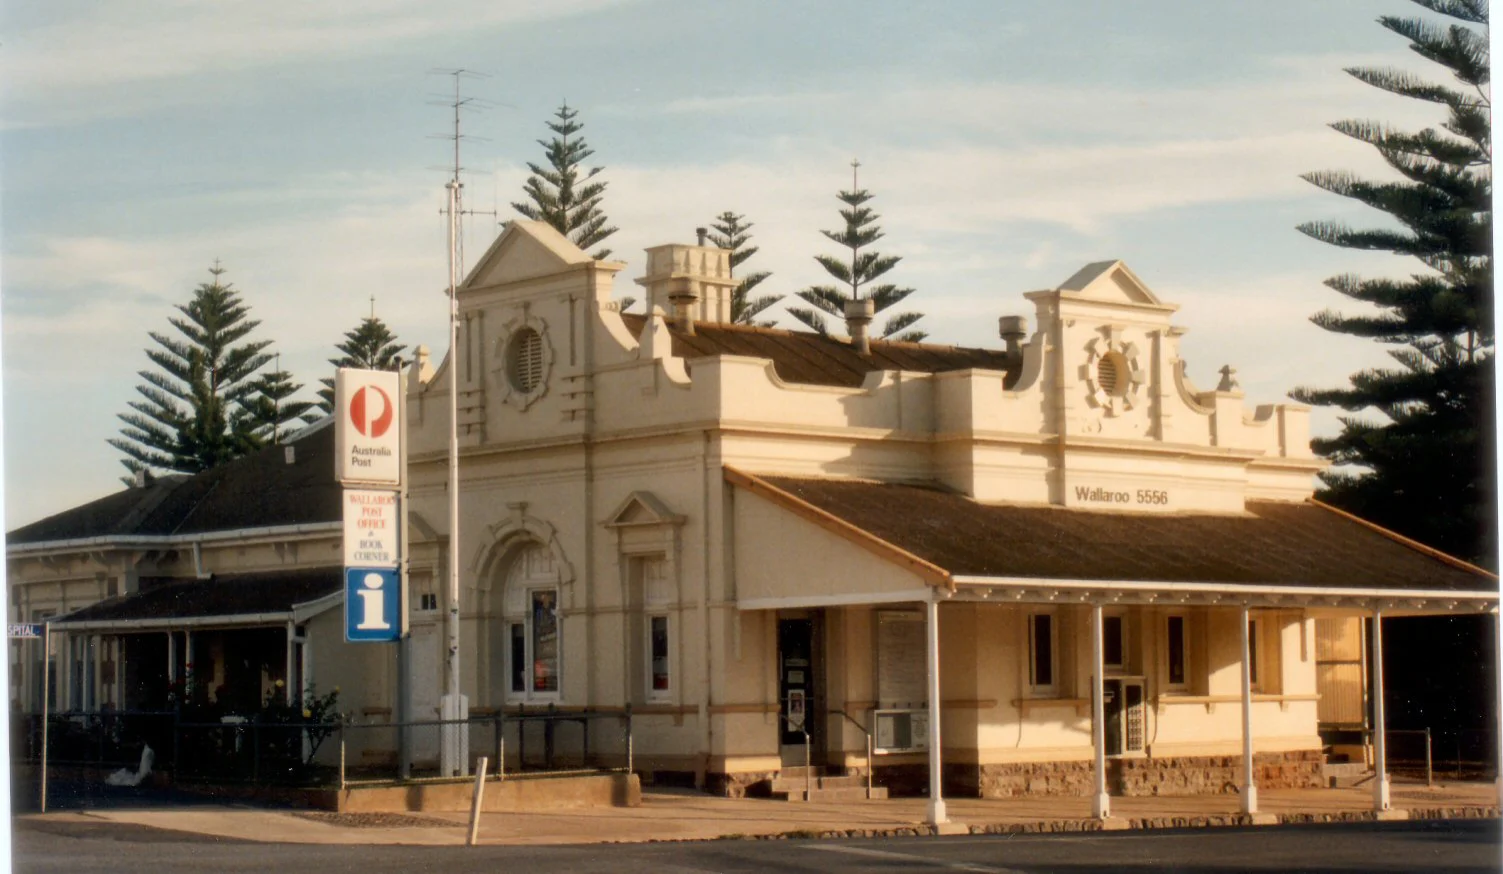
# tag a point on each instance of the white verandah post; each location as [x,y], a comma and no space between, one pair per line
[1101,803]
[936,792]
[1380,724]
[1249,779]
[1498,692]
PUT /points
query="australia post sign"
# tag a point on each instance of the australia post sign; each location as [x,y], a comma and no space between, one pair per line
[368,427]
[368,461]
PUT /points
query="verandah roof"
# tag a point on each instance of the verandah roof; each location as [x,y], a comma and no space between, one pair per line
[1275,550]
[230,600]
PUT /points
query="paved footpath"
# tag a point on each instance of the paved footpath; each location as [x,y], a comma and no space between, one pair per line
[680,815]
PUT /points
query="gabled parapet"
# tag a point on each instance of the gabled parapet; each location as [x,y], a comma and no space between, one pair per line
[1090,406]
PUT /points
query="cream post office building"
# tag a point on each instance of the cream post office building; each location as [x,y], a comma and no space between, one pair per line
[1053,567]
[751,534]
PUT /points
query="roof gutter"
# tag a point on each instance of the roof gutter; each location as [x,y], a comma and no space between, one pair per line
[298,614]
[129,541]
[1147,587]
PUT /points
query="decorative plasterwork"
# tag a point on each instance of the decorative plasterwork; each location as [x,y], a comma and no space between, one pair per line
[510,331]
[642,508]
[499,539]
[1123,358]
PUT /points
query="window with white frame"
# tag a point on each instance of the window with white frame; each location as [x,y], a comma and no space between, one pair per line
[533,630]
[1177,652]
[657,646]
[1043,653]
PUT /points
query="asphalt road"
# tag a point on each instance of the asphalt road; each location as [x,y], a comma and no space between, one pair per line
[1460,846]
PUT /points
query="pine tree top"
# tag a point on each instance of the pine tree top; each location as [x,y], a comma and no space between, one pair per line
[560,192]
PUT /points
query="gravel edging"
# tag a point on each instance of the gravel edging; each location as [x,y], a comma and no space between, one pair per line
[374,820]
[1063,826]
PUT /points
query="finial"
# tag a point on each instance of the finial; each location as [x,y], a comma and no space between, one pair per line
[855,167]
[373,307]
[1228,379]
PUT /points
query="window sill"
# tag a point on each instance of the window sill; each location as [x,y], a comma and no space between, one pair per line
[1210,701]
[1028,705]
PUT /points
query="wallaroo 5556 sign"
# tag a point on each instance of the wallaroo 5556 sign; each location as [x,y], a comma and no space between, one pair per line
[368,426]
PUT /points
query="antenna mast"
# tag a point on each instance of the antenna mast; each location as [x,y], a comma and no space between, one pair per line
[454,706]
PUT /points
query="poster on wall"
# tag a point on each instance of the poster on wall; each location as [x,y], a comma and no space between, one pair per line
[796,709]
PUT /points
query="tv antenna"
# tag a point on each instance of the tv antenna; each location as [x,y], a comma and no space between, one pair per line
[460,104]
[453,704]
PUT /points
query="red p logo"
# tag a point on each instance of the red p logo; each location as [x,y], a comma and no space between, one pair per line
[370,411]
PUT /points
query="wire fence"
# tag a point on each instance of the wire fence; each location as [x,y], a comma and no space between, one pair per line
[254,750]
[1455,754]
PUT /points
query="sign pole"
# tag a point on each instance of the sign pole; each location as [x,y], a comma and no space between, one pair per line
[46,693]
[454,705]
[404,643]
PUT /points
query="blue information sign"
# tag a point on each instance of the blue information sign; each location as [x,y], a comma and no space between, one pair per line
[372,605]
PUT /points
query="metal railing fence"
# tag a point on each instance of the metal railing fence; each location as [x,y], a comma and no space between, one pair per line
[520,741]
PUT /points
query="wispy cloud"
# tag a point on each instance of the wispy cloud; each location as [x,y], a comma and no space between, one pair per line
[122,57]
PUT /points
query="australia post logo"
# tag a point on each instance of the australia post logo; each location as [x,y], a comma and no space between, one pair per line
[371,411]
[367,447]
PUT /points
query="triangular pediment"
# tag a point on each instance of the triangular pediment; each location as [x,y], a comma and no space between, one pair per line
[642,508]
[525,250]
[1109,281]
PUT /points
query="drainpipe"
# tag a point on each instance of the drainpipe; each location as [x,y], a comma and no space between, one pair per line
[291,648]
[198,560]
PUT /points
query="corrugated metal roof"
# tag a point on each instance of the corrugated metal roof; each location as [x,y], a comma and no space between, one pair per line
[217,597]
[256,491]
[814,359]
[1272,543]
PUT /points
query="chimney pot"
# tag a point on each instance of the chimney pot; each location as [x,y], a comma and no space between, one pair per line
[683,293]
[858,314]
[702,233]
[1013,329]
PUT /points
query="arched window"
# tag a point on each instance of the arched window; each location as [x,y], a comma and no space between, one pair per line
[533,639]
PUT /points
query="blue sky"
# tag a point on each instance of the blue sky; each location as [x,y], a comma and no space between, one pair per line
[1007,144]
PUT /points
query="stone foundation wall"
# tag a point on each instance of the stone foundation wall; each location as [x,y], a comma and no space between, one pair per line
[1213,775]
[1178,775]
[1016,779]
[1175,775]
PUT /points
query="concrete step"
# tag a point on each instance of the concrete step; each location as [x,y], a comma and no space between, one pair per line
[840,793]
[1345,775]
[823,781]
